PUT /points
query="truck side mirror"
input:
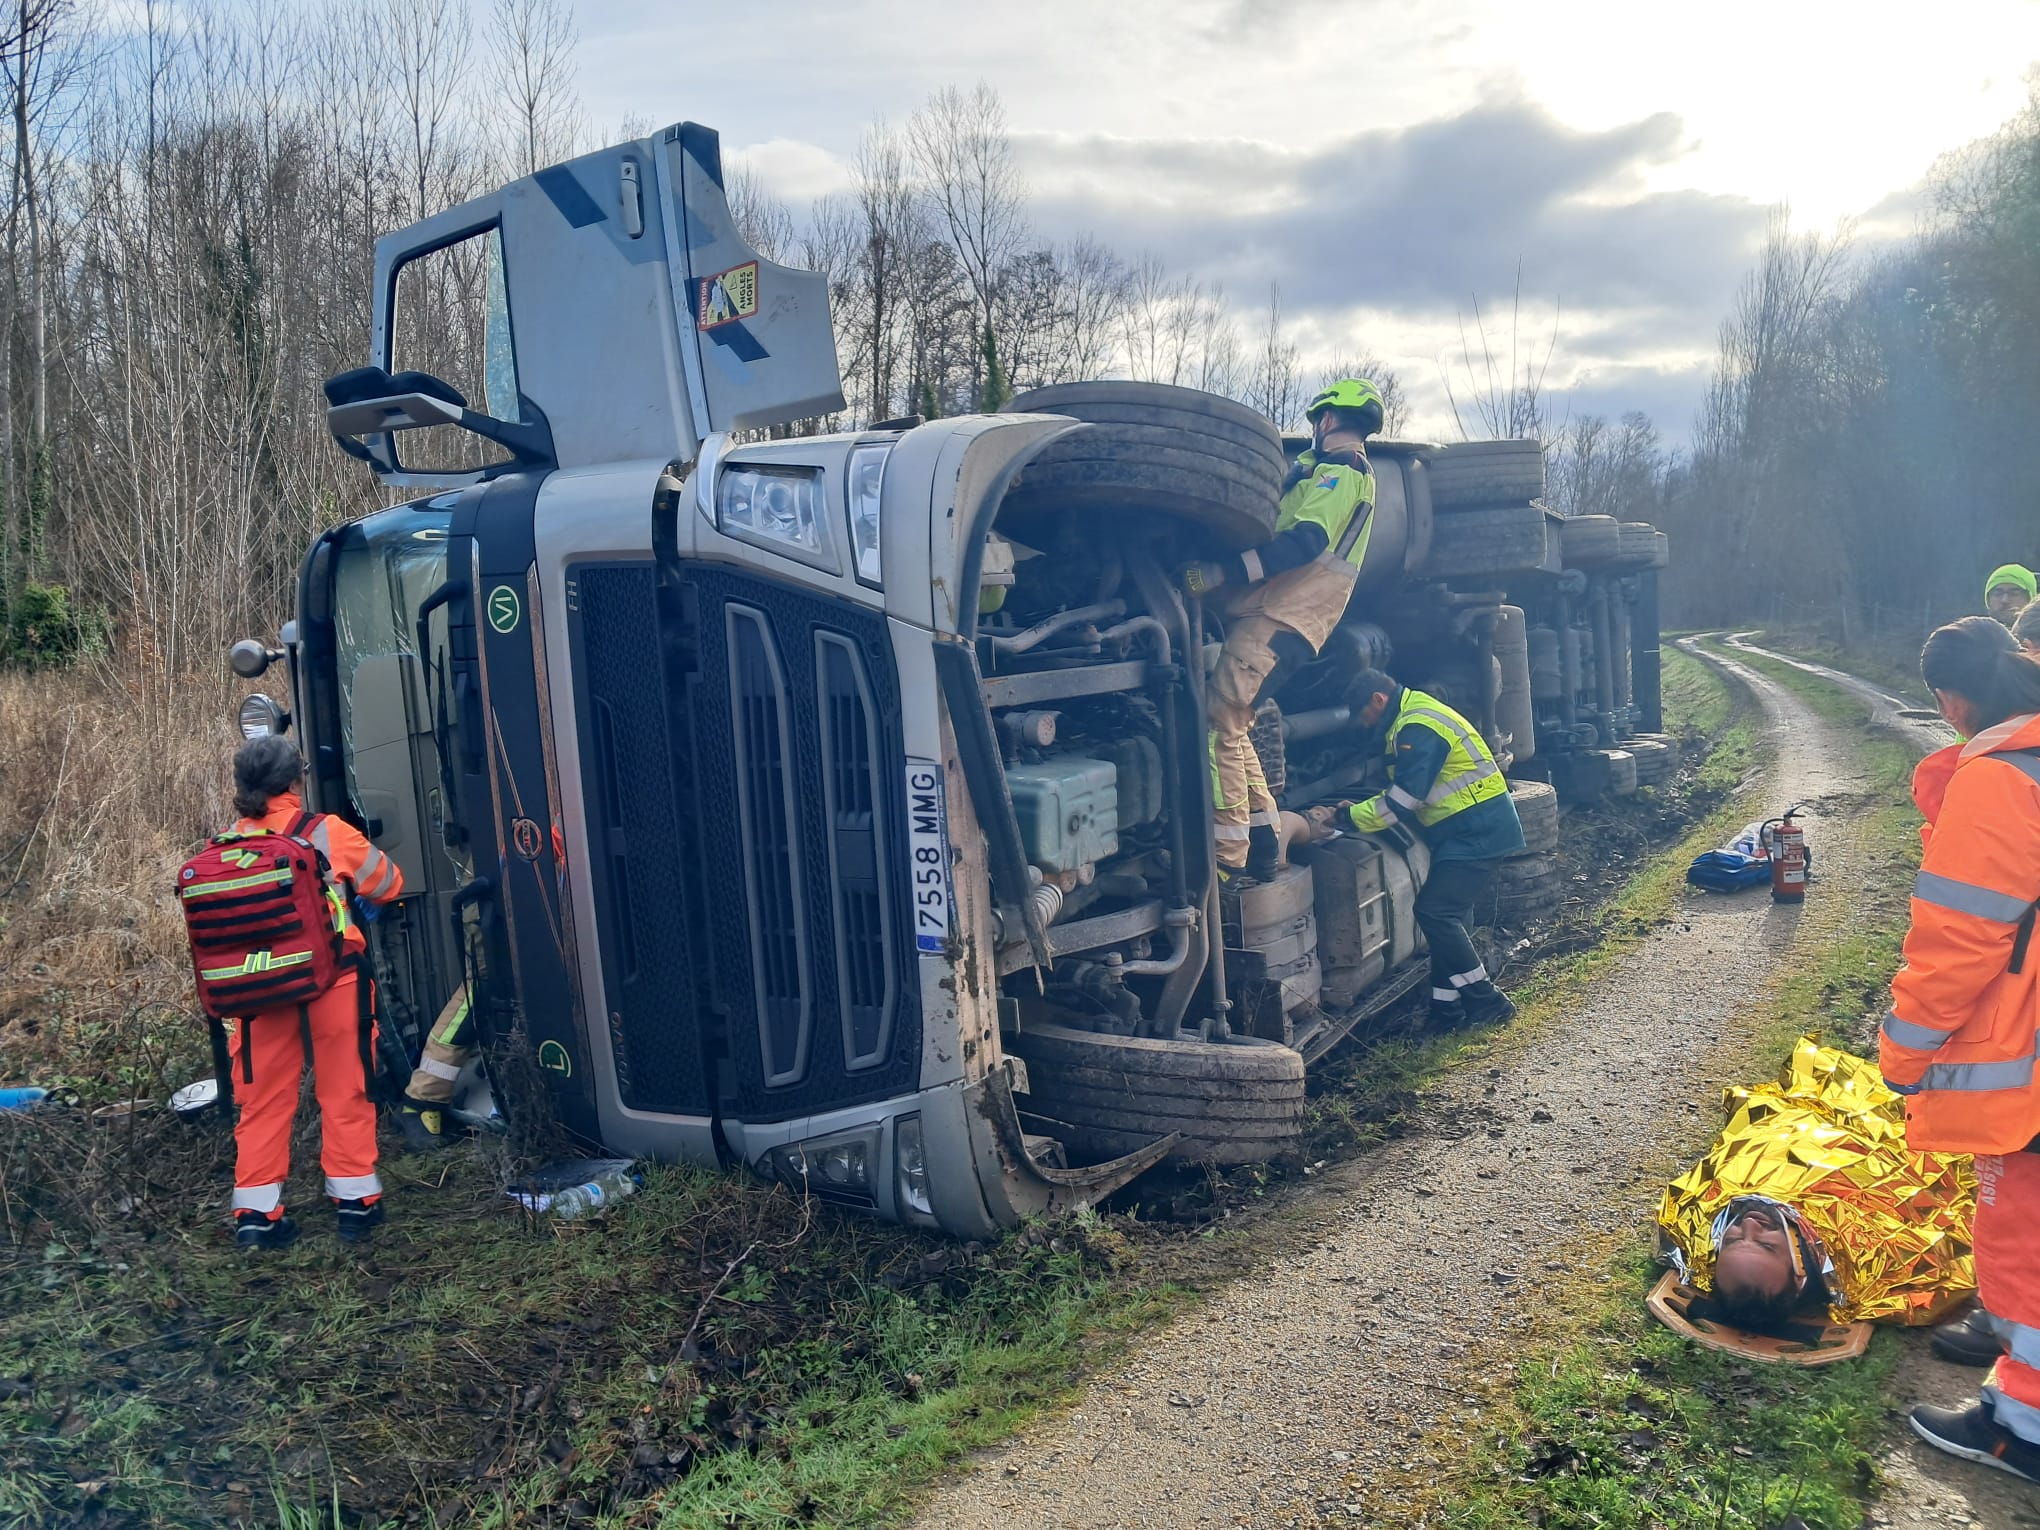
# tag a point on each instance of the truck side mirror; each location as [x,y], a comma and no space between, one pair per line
[370,403]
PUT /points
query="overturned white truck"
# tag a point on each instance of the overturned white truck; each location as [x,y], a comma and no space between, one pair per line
[838,805]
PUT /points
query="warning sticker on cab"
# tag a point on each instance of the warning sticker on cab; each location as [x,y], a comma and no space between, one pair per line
[928,854]
[727,296]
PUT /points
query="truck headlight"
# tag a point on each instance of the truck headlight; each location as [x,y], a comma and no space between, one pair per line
[867,480]
[260,716]
[773,505]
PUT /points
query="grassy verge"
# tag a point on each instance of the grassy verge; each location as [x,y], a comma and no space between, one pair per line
[1615,1422]
[717,1353]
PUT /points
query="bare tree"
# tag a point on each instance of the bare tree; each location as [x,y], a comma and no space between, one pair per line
[761,218]
[1503,394]
[531,81]
[965,157]
[1274,387]
[428,43]
[1092,284]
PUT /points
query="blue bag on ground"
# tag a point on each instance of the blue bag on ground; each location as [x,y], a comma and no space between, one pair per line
[1744,861]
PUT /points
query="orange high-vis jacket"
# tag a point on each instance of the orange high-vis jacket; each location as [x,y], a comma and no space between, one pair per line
[366,870]
[1965,1006]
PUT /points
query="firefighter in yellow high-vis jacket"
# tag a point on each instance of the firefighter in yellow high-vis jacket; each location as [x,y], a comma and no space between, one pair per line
[1282,601]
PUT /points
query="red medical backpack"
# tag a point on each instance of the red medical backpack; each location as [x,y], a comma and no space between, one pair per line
[263,929]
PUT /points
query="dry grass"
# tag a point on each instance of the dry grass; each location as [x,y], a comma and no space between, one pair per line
[98,805]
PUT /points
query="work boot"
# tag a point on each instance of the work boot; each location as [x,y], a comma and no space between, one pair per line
[1264,852]
[1969,1342]
[355,1220]
[255,1229]
[1974,1435]
[1486,1004]
[1445,1016]
[424,1128]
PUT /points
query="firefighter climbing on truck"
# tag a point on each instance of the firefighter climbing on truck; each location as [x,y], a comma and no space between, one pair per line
[1444,787]
[1287,596]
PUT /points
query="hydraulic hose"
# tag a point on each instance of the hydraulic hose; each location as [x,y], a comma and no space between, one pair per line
[1041,632]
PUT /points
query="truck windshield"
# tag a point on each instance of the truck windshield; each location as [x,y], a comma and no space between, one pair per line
[387,565]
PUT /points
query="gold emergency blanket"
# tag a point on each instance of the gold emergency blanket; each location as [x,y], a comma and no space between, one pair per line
[1829,1139]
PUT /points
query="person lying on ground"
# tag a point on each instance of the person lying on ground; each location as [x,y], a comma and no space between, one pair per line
[1810,1207]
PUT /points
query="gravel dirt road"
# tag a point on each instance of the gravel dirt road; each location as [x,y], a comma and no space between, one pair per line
[1307,1393]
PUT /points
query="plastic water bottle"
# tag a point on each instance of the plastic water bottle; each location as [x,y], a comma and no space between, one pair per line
[569,1192]
[21,1099]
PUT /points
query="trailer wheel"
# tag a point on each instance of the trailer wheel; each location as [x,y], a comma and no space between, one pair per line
[1514,911]
[1154,449]
[1655,760]
[1537,807]
[1585,774]
[1154,405]
[1470,475]
[1591,541]
[1526,873]
[1515,540]
[1637,544]
[1238,1101]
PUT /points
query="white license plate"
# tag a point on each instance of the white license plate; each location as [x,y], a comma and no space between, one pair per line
[928,854]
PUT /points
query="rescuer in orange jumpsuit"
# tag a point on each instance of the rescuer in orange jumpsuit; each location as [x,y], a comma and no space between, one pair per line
[267,772]
[1961,1036]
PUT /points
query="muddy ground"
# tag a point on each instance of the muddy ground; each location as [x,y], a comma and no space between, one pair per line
[1320,1391]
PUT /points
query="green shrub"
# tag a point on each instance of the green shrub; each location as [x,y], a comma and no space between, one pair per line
[48,630]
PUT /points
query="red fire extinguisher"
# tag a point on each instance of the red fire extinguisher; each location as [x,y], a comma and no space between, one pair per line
[1788,858]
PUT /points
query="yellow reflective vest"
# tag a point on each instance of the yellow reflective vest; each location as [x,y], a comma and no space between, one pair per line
[1444,783]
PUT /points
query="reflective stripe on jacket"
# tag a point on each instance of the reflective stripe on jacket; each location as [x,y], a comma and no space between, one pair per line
[1444,783]
[1963,1022]
[353,860]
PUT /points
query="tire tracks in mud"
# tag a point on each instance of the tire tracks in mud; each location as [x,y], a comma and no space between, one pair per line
[1307,1392]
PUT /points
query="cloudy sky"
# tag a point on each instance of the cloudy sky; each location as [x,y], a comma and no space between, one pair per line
[1386,163]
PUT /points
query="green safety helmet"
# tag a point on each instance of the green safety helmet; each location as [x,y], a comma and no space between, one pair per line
[1349,395]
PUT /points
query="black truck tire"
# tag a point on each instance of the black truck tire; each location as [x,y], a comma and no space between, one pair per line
[1581,775]
[1471,475]
[1514,540]
[1238,1101]
[1521,875]
[1655,760]
[1131,402]
[1516,910]
[1537,807]
[1154,449]
[1591,541]
[1637,544]
[1233,518]
[1154,406]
